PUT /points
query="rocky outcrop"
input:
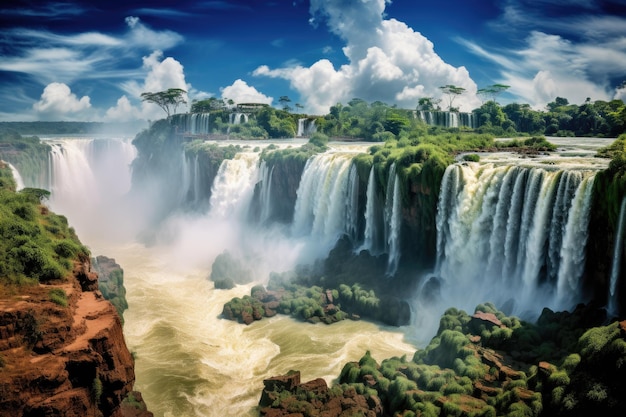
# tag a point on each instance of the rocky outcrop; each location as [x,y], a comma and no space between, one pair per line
[285,396]
[63,355]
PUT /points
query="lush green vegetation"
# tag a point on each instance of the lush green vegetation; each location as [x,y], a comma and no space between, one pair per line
[35,244]
[228,271]
[490,364]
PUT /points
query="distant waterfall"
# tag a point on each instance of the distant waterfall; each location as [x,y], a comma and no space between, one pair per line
[233,186]
[393,217]
[193,123]
[322,205]
[617,259]
[504,232]
[306,127]
[19,182]
[448,119]
[238,118]
[88,177]
[352,213]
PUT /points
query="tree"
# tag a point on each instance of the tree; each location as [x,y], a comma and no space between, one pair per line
[205,106]
[493,91]
[452,91]
[428,104]
[168,100]
[284,100]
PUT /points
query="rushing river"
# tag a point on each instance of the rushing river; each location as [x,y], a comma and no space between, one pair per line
[190,362]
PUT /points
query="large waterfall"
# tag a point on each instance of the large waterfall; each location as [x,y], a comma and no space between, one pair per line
[448,119]
[511,234]
[507,232]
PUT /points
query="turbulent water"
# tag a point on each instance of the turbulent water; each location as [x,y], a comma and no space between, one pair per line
[510,230]
[189,361]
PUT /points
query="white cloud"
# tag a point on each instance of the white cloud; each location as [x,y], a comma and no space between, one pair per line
[388,61]
[241,92]
[52,57]
[58,102]
[550,66]
[123,111]
[620,94]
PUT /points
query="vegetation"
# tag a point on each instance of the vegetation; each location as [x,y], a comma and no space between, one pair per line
[228,271]
[58,296]
[35,244]
[168,100]
[461,373]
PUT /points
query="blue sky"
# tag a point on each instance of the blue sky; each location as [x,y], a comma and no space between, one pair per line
[91,60]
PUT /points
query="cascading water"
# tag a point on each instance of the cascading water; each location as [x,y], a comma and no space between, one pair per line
[233,186]
[393,218]
[19,182]
[617,259]
[352,210]
[265,200]
[321,210]
[372,232]
[497,228]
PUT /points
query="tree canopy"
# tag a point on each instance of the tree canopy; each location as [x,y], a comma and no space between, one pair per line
[168,100]
[452,91]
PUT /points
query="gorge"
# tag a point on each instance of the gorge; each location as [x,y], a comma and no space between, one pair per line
[510,229]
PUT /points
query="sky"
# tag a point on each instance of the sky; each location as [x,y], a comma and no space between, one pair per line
[91,60]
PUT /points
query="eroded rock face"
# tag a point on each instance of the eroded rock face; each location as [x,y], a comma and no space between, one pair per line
[61,360]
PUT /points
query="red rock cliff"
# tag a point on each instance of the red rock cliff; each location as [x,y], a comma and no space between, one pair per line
[62,360]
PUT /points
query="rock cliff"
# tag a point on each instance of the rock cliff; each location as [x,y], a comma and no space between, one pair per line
[64,356]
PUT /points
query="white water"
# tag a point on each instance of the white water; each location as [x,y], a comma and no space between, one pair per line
[393,217]
[499,228]
[322,206]
[372,232]
[617,258]
[19,182]
[189,362]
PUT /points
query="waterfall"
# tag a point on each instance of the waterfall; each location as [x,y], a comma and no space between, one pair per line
[306,127]
[499,228]
[236,118]
[393,215]
[192,123]
[448,119]
[372,232]
[87,179]
[574,244]
[19,182]
[265,194]
[617,259]
[322,203]
[352,212]
[233,186]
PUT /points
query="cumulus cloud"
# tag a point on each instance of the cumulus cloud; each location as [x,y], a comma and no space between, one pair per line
[388,61]
[57,102]
[123,111]
[160,74]
[550,66]
[241,92]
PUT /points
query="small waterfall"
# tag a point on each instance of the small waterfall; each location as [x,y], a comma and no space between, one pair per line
[233,186]
[238,118]
[19,182]
[352,212]
[321,209]
[448,119]
[372,233]
[617,259]
[306,127]
[499,228]
[192,123]
[393,217]
[189,192]
[265,194]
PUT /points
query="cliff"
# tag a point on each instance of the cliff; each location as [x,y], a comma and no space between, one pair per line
[63,355]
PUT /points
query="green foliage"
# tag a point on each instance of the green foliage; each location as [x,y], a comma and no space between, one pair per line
[471,157]
[228,271]
[58,296]
[35,244]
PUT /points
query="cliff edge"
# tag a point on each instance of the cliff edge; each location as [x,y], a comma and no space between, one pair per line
[64,355]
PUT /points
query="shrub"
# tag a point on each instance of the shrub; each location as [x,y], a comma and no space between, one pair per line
[58,296]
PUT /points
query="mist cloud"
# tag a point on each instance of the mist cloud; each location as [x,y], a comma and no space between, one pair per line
[388,61]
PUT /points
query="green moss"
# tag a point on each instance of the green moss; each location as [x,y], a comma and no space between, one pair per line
[58,296]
